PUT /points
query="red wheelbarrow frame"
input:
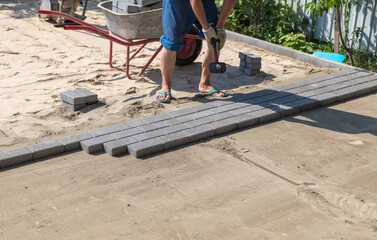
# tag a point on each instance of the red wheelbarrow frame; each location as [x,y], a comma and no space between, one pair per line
[114,38]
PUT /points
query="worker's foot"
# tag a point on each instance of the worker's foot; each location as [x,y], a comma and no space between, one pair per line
[209,89]
[164,97]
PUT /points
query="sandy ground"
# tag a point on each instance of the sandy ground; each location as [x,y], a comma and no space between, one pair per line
[309,176]
[38,62]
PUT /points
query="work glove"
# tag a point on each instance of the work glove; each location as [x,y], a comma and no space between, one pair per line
[210,33]
[222,37]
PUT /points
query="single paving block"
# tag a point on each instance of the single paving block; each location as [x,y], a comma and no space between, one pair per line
[46,149]
[345,93]
[174,140]
[224,126]
[72,98]
[119,146]
[105,131]
[181,112]
[247,120]
[253,59]
[72,143]
[305,104]
[14,157]
[153,126]
[242,55]
[133,124]
[199,133]
[175,128]
[253,66]
[204,106]
[230,107]
[326,98]
[365,88]
[202,114]
[157,118]
[126,133]
[126,7]
[201,121]
[249,109]
[268,114]
[149,135]
[90,97]
[73,107]
[288,110]
[144,148]
[94,145]
[251,72]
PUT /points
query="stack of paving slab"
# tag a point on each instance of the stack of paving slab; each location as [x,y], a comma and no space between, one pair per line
[165,131]
[135,6]
[78,98]
[250,64]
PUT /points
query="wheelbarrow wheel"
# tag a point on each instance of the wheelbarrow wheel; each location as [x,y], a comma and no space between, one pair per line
[191,49]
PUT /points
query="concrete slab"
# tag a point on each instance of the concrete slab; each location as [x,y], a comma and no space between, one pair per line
[72,143]
[117,147]
[73,98]
[90,97]
[14,157]
[174,140]
[144,148]
[46,149]
[94,145]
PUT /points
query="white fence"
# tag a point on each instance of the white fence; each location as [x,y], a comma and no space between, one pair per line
[364,17]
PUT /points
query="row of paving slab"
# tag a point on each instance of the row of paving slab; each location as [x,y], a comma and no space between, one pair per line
[165,131]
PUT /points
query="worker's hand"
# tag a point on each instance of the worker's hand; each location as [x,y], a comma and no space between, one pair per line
[222,36]
[210,33]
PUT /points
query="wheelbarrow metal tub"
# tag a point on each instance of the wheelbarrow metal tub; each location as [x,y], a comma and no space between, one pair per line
[133,26]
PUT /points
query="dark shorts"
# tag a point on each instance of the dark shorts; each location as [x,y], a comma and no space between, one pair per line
[178,18]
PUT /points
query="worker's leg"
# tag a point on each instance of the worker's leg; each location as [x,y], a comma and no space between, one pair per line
[177,20]
[167,66]
[209,56]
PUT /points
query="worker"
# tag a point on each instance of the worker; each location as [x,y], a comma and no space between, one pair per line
[178,17]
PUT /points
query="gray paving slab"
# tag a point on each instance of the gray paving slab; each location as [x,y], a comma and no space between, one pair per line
[305,104]
[105,130]
[90,97]
[365,88]
[149,135]
[203,107]
[249,109]
[251,72]
[253,66]
[326,98]
[201,121]
[153,126]
[253,59]
[133,124]
[202,114]
[174,140]
[72,98]
[199,133]
[14,157]
[224,126]
[247,120]
[74,107]
[268,114]
[94,145]
[126,133]
[119,146]
[175,128]
[229,107]
[157,118]
[144,148]
[181,112]
[46,149]
[72,143]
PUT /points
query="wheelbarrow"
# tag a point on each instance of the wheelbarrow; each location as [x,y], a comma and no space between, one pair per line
[136,29]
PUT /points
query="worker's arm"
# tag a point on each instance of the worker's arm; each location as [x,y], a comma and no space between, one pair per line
[197,7]
[226,8]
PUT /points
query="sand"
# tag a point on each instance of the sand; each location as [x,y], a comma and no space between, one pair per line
[39,61]
[309,176]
